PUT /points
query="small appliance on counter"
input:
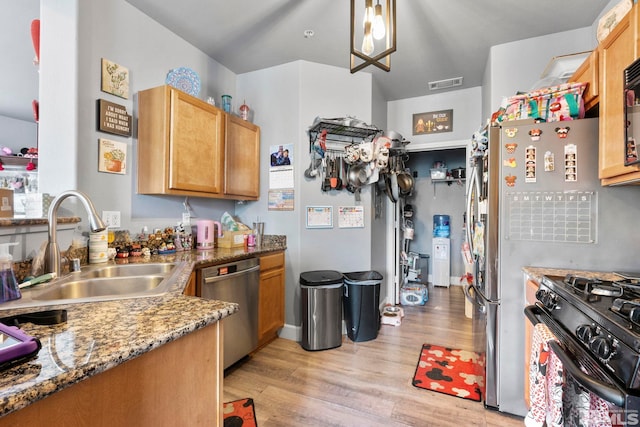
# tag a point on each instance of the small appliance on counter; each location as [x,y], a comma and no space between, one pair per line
[206,236]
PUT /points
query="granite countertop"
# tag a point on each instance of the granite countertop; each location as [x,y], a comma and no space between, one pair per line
[101,335]
[536,273]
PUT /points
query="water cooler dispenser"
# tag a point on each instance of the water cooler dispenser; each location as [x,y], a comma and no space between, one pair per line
[441,251]
[441,261]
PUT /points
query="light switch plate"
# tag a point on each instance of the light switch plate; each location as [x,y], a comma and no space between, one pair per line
[111,218]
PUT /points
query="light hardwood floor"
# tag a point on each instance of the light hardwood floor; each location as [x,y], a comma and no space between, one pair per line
[364,383]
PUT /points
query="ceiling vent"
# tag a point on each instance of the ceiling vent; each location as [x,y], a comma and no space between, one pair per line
[445,84]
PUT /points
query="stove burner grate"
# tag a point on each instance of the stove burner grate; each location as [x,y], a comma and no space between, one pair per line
[593,288]
[629,309]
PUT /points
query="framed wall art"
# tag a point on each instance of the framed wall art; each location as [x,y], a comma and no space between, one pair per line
[115,79]
[433,122]
[112,156]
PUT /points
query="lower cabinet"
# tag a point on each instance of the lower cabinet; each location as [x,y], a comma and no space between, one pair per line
[190,289]
[531,287]
[271,300]
[179,383]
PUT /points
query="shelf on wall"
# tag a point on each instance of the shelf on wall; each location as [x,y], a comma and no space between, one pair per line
[449,181]
[340,135]
[18,161]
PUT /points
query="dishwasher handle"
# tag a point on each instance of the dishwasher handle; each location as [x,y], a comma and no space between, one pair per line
[213,279]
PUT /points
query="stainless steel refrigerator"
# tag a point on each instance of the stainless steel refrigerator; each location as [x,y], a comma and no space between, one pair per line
[532,201]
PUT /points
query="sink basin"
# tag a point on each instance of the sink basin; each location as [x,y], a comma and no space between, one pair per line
[101,283]
[128,270]
[103,286]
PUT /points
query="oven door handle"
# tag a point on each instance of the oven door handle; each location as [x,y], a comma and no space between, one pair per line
[605,391]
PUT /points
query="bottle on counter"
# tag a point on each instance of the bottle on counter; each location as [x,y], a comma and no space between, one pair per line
[10,290]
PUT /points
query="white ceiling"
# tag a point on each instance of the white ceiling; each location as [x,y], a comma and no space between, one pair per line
[436,39]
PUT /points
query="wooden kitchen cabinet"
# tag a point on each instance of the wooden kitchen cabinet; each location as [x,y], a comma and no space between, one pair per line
[180,144]
[187,147]
[190,288]
[242,158]
[531,287]
[616,52]
[271,299]
[179,383]
[588,72]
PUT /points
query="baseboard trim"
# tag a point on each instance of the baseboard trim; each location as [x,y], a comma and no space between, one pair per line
[291,332]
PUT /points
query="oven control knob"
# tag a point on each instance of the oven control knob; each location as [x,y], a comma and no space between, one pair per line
[601,346]
[585,333]
[547,298]
[540,293]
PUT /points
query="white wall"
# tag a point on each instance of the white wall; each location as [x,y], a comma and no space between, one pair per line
[85,32]
[517,66]
[465,103]
[285,101]
[17,134]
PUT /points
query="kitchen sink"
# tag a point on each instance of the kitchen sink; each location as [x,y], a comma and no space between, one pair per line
[119,270]
[96,283]
[99,287]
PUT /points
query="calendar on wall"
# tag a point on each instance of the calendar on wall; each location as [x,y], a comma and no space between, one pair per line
[351,217]
[552,216]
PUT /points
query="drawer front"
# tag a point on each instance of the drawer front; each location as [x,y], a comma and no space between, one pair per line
[267,262]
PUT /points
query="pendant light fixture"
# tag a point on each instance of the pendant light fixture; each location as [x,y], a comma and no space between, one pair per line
[376,25]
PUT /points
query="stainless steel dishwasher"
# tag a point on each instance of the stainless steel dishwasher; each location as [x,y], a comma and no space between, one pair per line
[235,282]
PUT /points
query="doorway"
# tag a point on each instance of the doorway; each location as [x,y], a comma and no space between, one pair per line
[429,198]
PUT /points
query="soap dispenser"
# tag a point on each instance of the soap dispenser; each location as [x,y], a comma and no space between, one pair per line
[10,289]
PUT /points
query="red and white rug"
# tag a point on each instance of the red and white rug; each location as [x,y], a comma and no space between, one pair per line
[239,413]
[450,371]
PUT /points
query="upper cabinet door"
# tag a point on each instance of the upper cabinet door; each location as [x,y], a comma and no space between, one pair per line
[617,52]
[195,145]
[242,158]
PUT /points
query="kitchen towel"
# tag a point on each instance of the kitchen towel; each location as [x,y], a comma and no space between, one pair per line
[545,381]
[450,371]
[555,397]
[240,413]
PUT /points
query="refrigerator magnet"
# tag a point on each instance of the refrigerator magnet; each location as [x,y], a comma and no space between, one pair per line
[511,147]
[510,180]
[549,165]
[511,132]
[570,163]
[535,134]
[530,164]
[510,162]
[562,132]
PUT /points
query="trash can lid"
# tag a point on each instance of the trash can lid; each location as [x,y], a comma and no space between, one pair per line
[320,278]
[363,278]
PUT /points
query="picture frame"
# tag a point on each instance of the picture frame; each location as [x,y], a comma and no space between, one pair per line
[319,216]
[112,156]
[433,122]
[115,79]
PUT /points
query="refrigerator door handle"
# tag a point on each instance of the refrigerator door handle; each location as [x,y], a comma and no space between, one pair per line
[470,293]
[476,294]
[472,182]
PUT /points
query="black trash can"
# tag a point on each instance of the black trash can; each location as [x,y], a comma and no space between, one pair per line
[321,309]
[361,304]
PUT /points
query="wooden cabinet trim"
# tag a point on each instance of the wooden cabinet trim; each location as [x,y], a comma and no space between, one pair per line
[268,262]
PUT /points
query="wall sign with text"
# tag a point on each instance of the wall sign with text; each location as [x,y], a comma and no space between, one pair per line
[113,118]
[433,122]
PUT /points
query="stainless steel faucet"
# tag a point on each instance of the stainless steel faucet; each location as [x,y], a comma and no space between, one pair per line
[52,252]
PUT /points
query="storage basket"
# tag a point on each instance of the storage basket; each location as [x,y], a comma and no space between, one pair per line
[232,239]
[551,104]
[438,173]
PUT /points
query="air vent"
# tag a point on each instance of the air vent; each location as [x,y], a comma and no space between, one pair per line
[445,84]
